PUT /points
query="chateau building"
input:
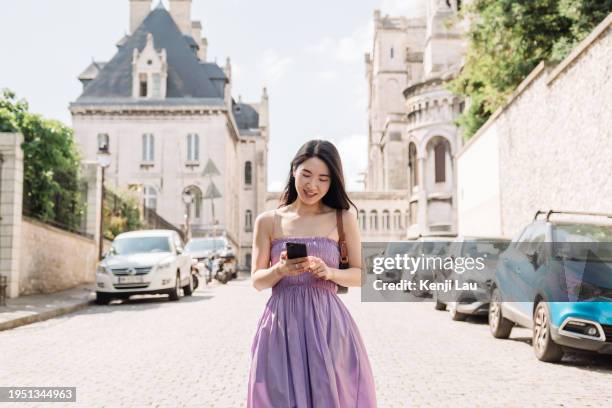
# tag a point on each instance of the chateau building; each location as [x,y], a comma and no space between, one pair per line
[412,136]
[171,124]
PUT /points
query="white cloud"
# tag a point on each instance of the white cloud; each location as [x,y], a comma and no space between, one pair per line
[354,154]
[347,49]
[274,66]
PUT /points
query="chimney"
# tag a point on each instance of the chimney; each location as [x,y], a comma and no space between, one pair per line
[196,32]
[203,49]
[139,9]
[181,13]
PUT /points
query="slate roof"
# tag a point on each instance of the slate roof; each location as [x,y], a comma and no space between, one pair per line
[188,77]
[246,116]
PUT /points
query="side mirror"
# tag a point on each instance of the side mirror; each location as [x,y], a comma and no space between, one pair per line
[533,258]
[179,250]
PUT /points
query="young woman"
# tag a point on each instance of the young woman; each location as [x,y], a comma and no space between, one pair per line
[307,351]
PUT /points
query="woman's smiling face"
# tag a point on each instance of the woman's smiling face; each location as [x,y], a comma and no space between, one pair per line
[312,180]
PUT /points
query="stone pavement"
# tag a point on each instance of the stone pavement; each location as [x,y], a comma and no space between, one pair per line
[195,353]
[35,308]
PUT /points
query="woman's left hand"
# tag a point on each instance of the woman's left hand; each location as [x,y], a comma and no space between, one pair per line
[319,268]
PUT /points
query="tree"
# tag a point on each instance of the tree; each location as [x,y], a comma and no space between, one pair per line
[508,38]
[51,163]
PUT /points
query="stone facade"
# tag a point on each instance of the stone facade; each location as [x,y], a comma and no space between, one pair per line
[52,259]
[11,197]
[553,140]
[413,140]
[171,120]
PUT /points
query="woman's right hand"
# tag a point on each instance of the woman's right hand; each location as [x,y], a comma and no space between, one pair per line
[291,267]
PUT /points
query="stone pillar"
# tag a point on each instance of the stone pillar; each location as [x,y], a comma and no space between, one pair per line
[422,210]
[92,176]
[11,196]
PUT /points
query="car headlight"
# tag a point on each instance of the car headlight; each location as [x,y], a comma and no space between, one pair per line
[103,270]
[164,265]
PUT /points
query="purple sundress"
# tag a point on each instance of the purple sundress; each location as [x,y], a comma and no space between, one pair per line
[307,351]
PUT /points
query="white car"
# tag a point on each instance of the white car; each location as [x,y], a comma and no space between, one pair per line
[144,262]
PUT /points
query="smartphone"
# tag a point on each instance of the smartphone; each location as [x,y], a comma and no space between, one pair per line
[296,250]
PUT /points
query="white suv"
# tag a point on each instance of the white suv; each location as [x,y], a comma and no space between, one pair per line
[144,262]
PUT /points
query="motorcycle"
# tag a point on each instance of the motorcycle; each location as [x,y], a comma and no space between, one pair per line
[219,271]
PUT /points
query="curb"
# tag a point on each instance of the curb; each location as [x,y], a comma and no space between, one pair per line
[39,317]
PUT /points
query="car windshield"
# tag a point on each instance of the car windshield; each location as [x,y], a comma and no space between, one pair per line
[490,248]
[196,245]
[583,242]
[140,245]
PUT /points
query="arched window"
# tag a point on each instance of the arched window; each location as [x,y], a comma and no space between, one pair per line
[440,162]
[248,221]
[195,208]
[248,173]
[413,165]
[149,198]
[103,142]
[362,220]
[407,218]
[386,220]
[373,220]
[397,220]
[193,147]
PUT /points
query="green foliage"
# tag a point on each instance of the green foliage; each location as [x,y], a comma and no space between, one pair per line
[51,163]
[508,38]
[121,213]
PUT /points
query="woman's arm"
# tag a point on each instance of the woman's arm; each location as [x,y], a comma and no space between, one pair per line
[263,276]
[352,275]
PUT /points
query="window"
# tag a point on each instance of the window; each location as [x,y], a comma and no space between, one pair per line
[150,198]
[373,220]
[413,166]
[248,221]
[156,85]
[247,260]
[397,220]
[193,147]
[195,208]
[248,173]
[103,142]
[143,91]
[148,147]
[362,220]
[386,220]
[440,162]
[392,53]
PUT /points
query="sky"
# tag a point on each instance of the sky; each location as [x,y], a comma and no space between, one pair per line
[309,55]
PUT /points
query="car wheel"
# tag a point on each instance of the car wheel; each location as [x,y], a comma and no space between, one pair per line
[440,306]
[499,325]
[543,345]
[188,289]
[457,316]
[174,292]
[102,298]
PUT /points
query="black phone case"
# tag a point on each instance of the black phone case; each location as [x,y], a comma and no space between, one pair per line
[296,250]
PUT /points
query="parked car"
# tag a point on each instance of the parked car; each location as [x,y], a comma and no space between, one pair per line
[144,262]
[465,302]
[556,278]
[204,249]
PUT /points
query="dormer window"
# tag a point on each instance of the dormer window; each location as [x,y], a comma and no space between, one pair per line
[150,71]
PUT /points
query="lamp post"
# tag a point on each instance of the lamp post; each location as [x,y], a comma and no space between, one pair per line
[104,159]
[187,197]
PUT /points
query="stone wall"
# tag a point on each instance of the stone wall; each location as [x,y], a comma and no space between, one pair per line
[53,259]
[555,137]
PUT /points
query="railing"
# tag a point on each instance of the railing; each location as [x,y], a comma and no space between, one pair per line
[153,220]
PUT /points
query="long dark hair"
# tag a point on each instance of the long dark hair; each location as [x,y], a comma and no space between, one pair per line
[336,196]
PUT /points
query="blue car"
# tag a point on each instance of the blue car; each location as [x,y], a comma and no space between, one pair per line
[556,279]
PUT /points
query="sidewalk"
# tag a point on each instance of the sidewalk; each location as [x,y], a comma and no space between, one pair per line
[35,308]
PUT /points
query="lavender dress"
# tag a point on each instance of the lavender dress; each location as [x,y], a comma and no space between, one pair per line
[307,351]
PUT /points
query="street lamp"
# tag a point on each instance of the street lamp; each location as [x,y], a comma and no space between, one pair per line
[104,160]
[187,197]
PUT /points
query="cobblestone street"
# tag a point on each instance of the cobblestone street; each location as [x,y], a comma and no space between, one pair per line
[195,353]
